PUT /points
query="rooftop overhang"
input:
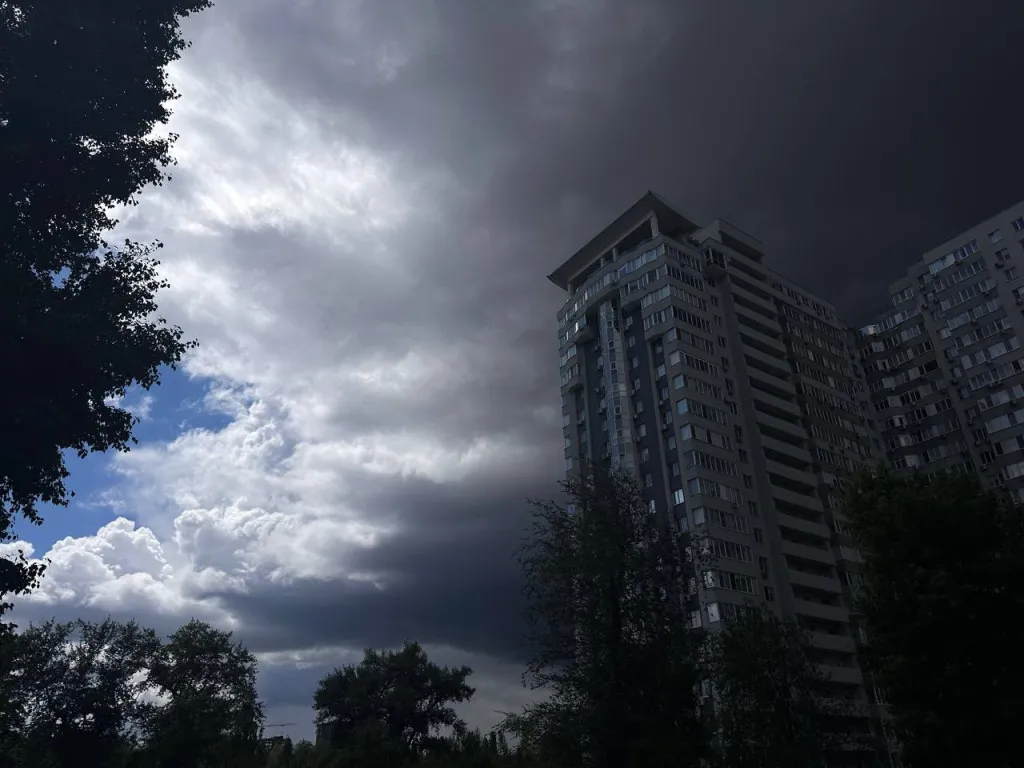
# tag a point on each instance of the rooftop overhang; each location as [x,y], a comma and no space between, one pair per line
[670,222]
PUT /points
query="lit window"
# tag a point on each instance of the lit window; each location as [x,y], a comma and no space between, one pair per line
[713,614]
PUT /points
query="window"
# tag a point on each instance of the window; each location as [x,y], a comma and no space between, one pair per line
[566,418]
[642,431]
[995,236]
[748,481]
[684,523]
[695,619]
[635,362]
[677,496]
[671,442]
[648,480]
[713,614]
[1018,225]
[660,370]
[758,536]
[645,454]
[675,469]
[568,464]
[752,506]
[769,595]
[636,385]
[629,321]
[630,340]
[1011,273]
[638,406]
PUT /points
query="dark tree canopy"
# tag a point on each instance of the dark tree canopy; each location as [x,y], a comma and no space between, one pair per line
[943,568]
[115,693]
[82,87]
[394,701]
[609,622]
[767,703]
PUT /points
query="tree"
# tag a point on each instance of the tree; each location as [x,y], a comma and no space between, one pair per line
[213,715]
[82,87]
[76,690]
[768,709]
[609,623]
[393,705]
[943,565]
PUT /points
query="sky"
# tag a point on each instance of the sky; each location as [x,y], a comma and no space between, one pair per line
[368,198]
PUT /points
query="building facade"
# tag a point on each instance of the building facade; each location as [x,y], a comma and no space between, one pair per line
[944,366]
[735,397]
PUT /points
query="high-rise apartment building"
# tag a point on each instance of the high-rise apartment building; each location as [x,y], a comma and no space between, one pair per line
[732,393]
[944,365]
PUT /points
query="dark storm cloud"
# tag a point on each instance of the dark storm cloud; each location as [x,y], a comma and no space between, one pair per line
[449,576]
[847,136]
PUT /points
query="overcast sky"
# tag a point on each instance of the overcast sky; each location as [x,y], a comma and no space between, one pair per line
[368,198]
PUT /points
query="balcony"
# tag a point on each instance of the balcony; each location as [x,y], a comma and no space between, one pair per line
[740,288]
[828,584]
[810,503]
[842,675]
[760,337]
[827,642]
[808,553]
[804,526]
[770,443]
[758,317]
[777,367]
[773,400]
[801,476]
[818,611]
[780,425]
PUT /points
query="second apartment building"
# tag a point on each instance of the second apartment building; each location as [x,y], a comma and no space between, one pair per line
[944,365]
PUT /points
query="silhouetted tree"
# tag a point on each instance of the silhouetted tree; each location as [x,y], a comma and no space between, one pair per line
[82,86]
[76,690]
[610,626]
[768,706]
[943,568]
[213,715]
[392,707]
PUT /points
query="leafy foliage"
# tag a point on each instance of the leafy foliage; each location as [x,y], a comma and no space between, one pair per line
[767,706]
[943,565]
[393,704]
[114,692]
[82,88]
[609,625]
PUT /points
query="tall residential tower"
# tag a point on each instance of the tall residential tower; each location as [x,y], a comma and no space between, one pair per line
[732,394]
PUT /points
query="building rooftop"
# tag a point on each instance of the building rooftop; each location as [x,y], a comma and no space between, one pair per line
[669,221]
